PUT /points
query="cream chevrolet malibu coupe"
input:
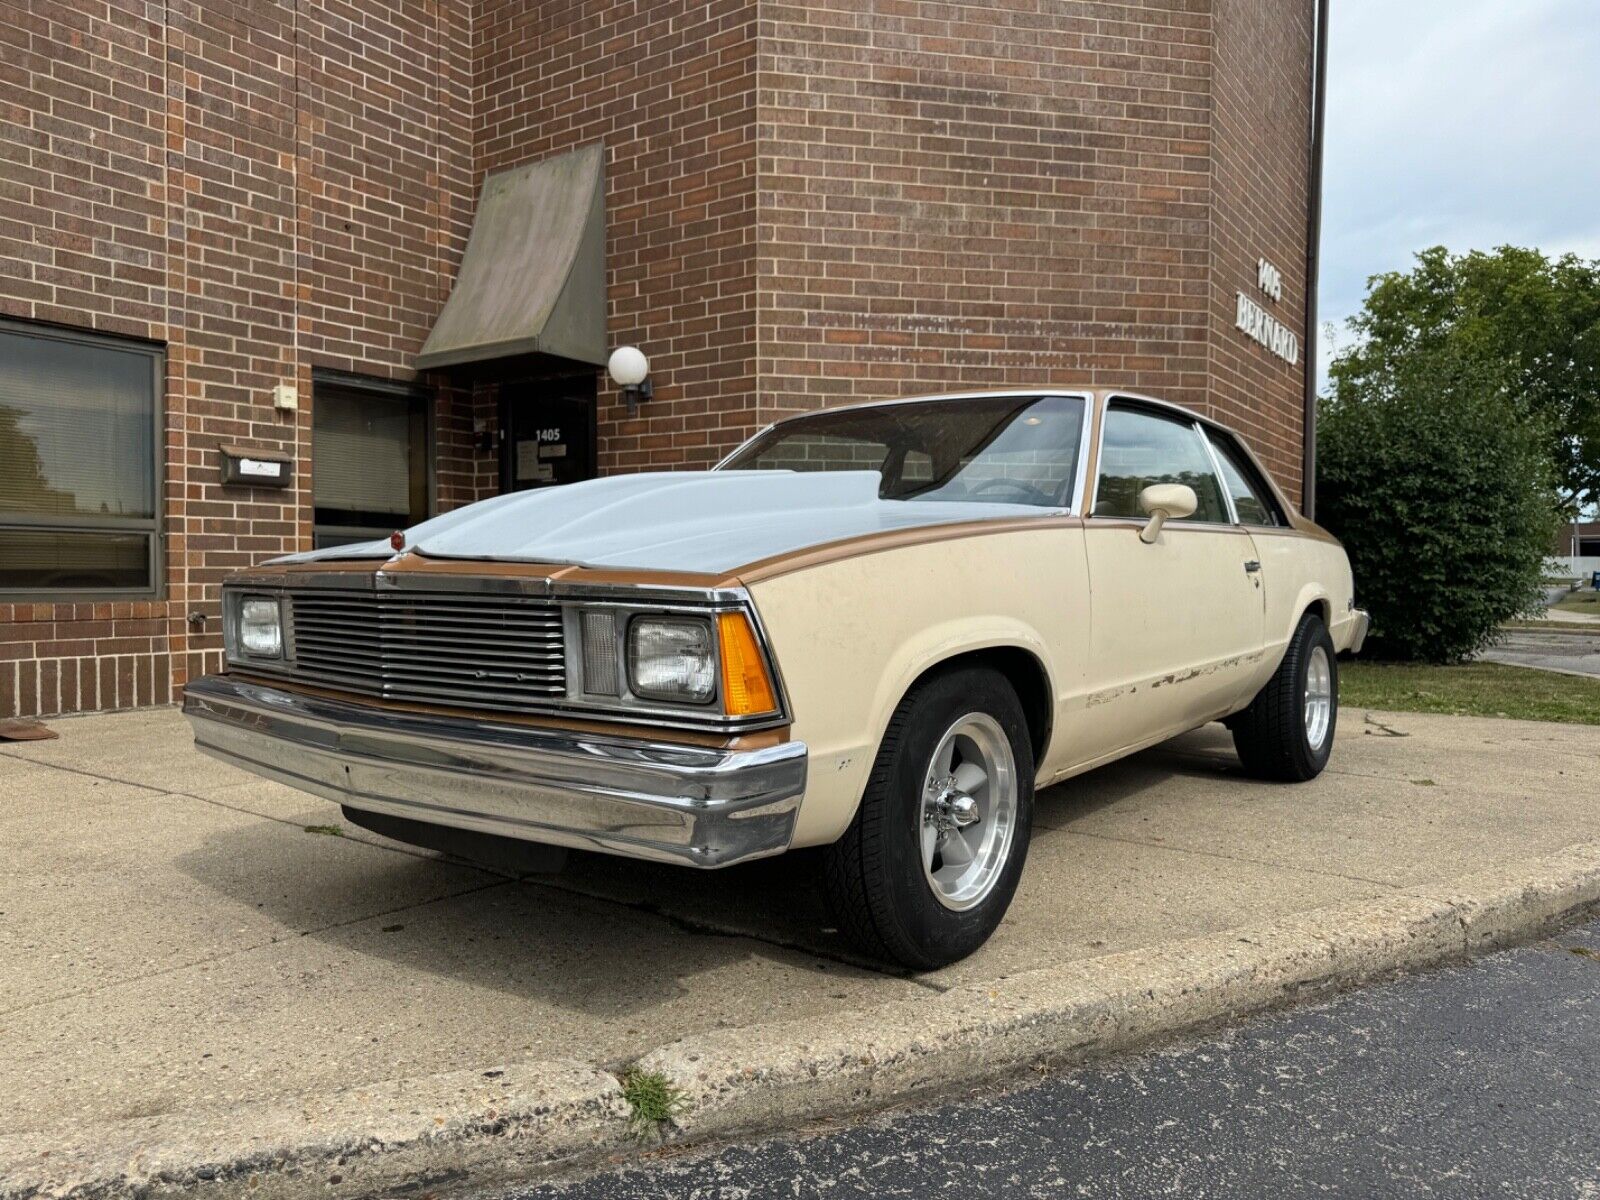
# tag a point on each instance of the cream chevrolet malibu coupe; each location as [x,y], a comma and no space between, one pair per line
[875,630]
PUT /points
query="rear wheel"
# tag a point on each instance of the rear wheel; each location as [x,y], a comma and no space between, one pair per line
[1287,732]
[931,861]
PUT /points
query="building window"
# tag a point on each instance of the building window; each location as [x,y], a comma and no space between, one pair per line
[369,459]
[80,469]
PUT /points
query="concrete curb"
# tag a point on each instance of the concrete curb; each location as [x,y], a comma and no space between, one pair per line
[494,1125]
[499,1126]
[767,1076]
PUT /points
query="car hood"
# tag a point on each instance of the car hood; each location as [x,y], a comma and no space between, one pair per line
[700,521]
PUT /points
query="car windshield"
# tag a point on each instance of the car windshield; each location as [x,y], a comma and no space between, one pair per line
[997,450]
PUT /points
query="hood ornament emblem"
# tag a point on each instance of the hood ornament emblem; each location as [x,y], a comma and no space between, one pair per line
[397,540]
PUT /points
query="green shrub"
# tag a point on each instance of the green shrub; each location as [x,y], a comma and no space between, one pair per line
[1443,492]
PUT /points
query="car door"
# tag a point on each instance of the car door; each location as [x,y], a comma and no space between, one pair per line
[1176,625]
[1279,546]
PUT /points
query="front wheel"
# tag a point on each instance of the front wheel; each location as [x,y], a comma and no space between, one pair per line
[931,861]
[1287,732]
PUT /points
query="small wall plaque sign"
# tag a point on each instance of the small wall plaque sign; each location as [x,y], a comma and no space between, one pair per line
[248,466]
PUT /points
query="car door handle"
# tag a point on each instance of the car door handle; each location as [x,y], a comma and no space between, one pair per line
[1253,565]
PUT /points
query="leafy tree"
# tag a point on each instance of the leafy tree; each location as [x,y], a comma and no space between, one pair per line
[1535,318]
[1441,487]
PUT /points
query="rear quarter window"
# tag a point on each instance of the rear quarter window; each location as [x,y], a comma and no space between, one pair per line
[1252,497]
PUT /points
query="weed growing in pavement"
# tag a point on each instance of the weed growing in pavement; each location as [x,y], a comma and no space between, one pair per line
[652,1101]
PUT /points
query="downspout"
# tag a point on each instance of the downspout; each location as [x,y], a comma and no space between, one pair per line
[1319,97]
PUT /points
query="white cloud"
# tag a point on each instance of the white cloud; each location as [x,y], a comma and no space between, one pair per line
[1466,123]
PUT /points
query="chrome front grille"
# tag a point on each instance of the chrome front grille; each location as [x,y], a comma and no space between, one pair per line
[432,648]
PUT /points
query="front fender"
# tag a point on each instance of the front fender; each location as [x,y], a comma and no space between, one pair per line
[923,652]
[852,637]
[850,752]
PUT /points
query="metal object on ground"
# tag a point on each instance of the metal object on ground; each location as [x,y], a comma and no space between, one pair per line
[20,729]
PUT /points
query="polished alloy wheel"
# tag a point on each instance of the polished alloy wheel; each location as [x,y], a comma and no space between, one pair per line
[1319,697]
[969,810]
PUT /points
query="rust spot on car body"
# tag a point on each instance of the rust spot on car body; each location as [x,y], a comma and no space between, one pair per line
[1225,664]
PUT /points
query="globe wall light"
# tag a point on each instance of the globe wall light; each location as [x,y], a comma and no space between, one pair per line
[630,370]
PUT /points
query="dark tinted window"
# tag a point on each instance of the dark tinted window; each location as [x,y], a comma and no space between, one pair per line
[1252,499]
[369,462]
[78,462]
[1142,447]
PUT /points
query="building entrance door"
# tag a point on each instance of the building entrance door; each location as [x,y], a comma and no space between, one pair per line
[549,429]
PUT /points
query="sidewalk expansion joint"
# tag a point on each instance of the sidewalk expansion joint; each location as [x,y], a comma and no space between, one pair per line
[35,762]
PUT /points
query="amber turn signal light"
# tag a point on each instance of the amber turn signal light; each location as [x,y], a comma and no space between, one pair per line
[747,689]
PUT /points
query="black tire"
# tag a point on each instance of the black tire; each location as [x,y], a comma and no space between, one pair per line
[877,888]
[1271,735]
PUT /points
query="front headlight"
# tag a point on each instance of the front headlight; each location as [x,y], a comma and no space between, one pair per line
[672,658]
[260,627]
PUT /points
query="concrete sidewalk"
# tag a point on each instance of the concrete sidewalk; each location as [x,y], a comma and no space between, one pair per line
[1574,651]
[182,939]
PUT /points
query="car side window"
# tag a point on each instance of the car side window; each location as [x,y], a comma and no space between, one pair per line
[1252,498]
[1140,448]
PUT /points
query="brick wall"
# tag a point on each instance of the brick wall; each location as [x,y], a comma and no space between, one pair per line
[981,195]
[669,85]
[807,204]
[265,186]
[1262,131]
[83,242]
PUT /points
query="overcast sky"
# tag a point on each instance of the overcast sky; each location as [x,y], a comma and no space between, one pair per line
[1464,123]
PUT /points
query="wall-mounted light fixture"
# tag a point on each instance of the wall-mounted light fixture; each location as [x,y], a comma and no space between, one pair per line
[630,370]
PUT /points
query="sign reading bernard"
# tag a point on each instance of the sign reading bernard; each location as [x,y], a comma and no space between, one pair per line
[1261,326]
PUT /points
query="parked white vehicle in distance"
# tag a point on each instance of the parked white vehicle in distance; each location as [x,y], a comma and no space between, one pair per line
[874,629]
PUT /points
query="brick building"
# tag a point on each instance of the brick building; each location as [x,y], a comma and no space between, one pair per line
[228,232]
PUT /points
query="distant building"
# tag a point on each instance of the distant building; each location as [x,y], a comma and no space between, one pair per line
[1578,539]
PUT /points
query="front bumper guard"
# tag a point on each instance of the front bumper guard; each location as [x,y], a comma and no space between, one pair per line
[668,802]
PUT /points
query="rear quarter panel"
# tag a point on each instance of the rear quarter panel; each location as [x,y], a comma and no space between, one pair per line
[852,635]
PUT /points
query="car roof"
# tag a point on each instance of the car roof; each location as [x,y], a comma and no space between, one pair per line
[1093,394]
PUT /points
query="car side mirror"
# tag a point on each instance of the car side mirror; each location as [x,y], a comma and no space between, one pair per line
[1163,502]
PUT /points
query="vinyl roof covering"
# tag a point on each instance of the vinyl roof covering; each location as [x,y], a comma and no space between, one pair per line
[533,277]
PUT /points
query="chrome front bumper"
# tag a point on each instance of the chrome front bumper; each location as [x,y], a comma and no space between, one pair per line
[698,806]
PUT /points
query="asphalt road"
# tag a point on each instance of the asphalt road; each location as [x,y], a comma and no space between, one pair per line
[1481,1080]
[1576,652]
